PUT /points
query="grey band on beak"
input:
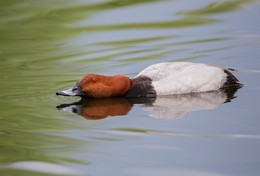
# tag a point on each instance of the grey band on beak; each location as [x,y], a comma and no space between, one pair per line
[74,91]
[68,92]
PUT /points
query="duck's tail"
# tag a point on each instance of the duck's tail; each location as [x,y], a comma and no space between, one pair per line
[231,81]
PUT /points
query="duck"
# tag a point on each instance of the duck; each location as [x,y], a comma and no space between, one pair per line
[161,79]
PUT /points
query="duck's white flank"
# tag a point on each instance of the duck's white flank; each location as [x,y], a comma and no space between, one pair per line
[184,77]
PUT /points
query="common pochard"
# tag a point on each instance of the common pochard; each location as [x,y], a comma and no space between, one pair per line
[167,78]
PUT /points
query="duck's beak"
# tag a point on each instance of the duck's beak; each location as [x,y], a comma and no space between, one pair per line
[74,91]
[68,92]
[74,108]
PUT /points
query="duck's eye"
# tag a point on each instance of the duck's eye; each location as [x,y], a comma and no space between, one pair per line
[93,80]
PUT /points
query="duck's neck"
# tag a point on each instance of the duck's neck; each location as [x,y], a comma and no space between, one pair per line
[119,85]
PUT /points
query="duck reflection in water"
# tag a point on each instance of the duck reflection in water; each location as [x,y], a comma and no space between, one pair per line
[95,109]
[170,107]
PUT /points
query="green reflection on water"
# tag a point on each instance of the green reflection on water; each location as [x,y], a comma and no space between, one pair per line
[134,41]
[219,7]
[184,22]
[7,172]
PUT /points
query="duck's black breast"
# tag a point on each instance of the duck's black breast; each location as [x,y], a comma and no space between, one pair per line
[142,87]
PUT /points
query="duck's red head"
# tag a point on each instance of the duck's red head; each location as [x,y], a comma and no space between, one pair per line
[99,86]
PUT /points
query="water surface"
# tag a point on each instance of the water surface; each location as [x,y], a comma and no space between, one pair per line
[46,46]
